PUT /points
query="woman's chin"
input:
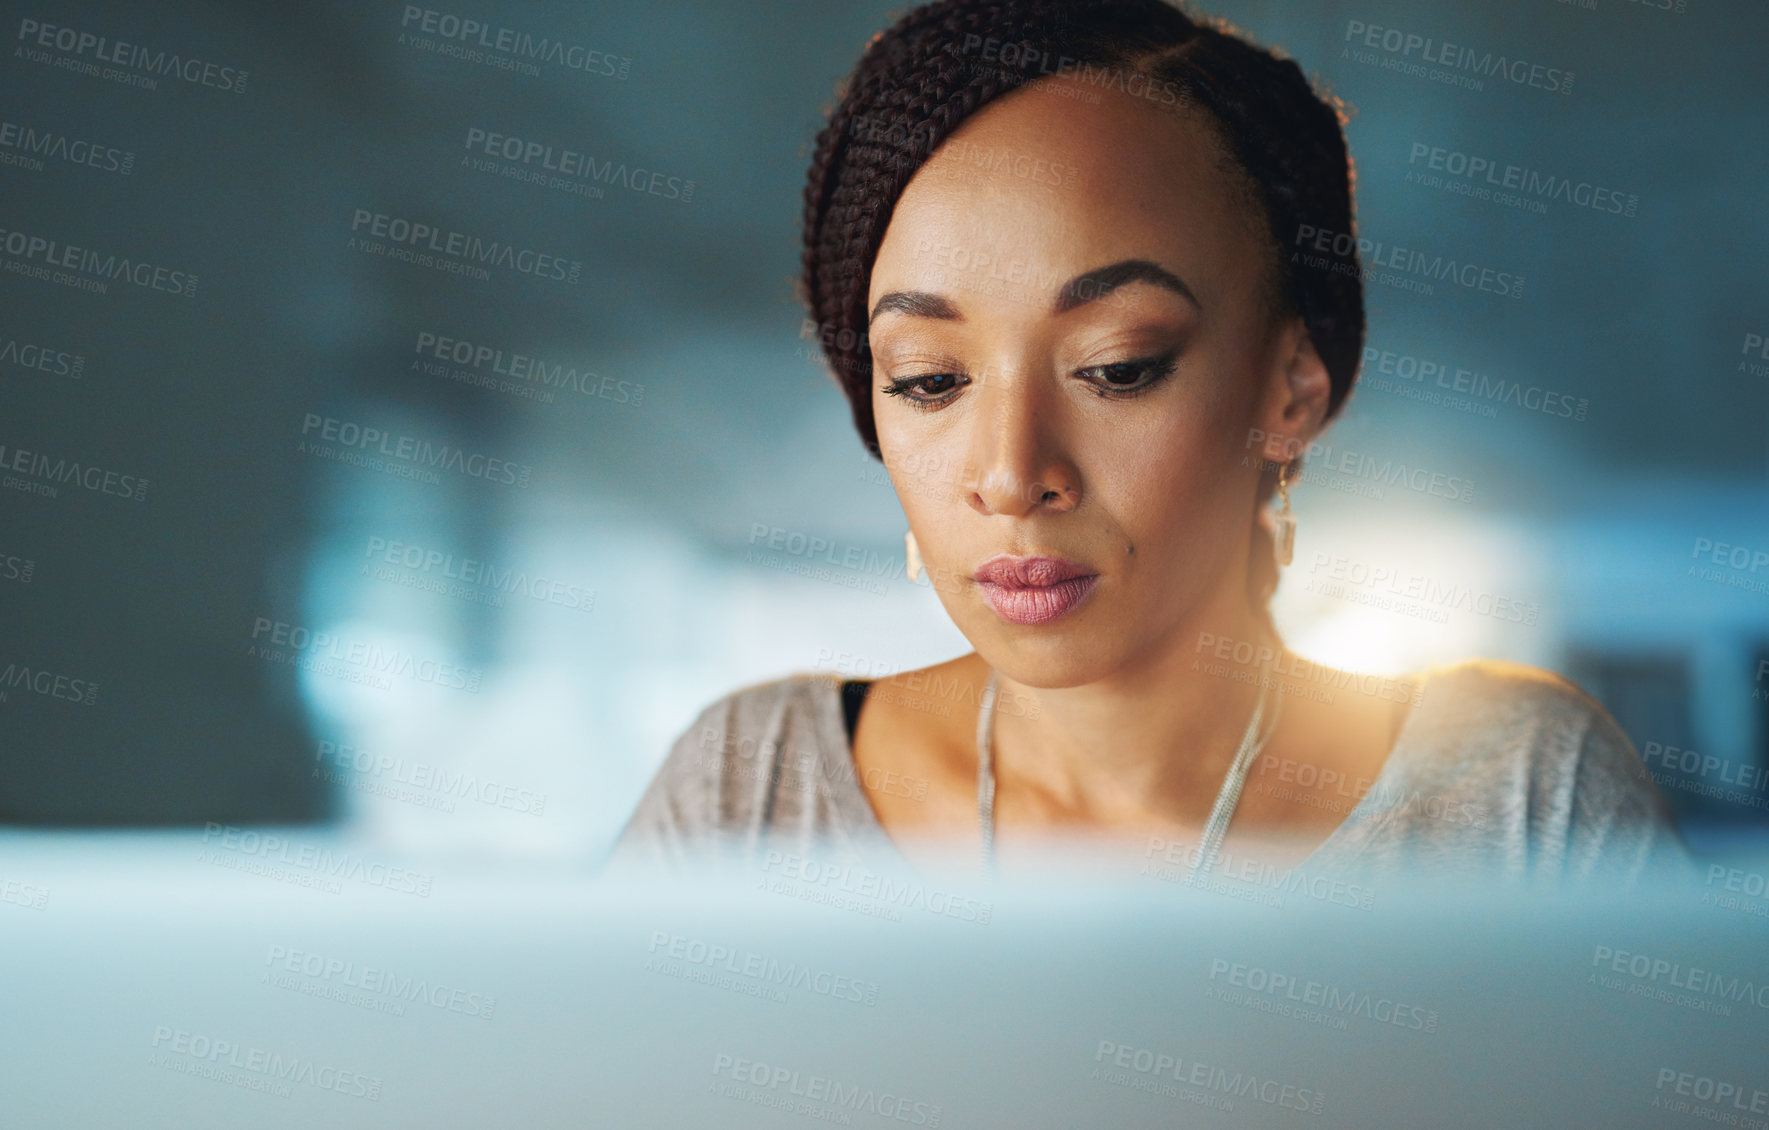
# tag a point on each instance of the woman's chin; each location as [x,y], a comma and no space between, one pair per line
[1046,662]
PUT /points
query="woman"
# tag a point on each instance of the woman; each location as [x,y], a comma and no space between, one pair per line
[1051,248]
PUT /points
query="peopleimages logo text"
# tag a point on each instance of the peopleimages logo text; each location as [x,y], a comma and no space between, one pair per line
[224,1059]
[1457,57]
[349,435]
[1152,1065]
[320,860]
[482,364]
[103,49]
[822,1094]
[464,247]
[274,636]
[49,684]
[516,44]
[1518,178]
[37,473]
[1378,255]
[59,146]
[96,265]
[571,163]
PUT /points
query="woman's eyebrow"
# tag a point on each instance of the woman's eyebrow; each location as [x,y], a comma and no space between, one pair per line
[1078,291]
[1101,281]
[919,303]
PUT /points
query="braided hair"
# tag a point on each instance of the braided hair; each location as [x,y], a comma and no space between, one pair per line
[919,80]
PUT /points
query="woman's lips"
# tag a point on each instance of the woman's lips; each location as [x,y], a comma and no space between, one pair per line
[1033,590]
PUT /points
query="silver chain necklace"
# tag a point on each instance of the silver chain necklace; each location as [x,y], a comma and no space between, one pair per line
[1215,828]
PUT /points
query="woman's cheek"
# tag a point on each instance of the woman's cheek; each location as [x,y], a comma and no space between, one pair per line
[1180,488]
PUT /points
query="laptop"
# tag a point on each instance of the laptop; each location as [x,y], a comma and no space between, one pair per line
[273,978]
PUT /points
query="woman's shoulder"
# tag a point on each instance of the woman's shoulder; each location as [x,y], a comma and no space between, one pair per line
[765,706]
[1481,683]
[1557,769]
[784,721]
[1529,712]
[1515,703]
[759,759]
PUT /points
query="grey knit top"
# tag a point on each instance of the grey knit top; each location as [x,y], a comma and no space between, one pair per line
[1499,770]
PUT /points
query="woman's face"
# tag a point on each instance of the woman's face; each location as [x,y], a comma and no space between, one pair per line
[1072,346]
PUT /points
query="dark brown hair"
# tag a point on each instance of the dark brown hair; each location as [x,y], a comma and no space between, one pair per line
[944,61]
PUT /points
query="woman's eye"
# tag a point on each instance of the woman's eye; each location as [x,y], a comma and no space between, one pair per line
[1128,377]
[927,390]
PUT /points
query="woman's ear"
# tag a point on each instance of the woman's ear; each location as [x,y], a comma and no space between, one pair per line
[1297,392]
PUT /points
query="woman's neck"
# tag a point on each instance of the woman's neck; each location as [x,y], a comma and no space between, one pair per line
[1151,742]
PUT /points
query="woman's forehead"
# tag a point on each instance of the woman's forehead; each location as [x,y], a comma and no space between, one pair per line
[1043,185]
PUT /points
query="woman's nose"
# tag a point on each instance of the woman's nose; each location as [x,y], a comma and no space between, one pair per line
[1018,461]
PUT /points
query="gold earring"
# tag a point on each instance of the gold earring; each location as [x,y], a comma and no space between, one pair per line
[1283,522]
[911,555]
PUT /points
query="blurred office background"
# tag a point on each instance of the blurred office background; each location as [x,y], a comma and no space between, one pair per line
[275,633]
